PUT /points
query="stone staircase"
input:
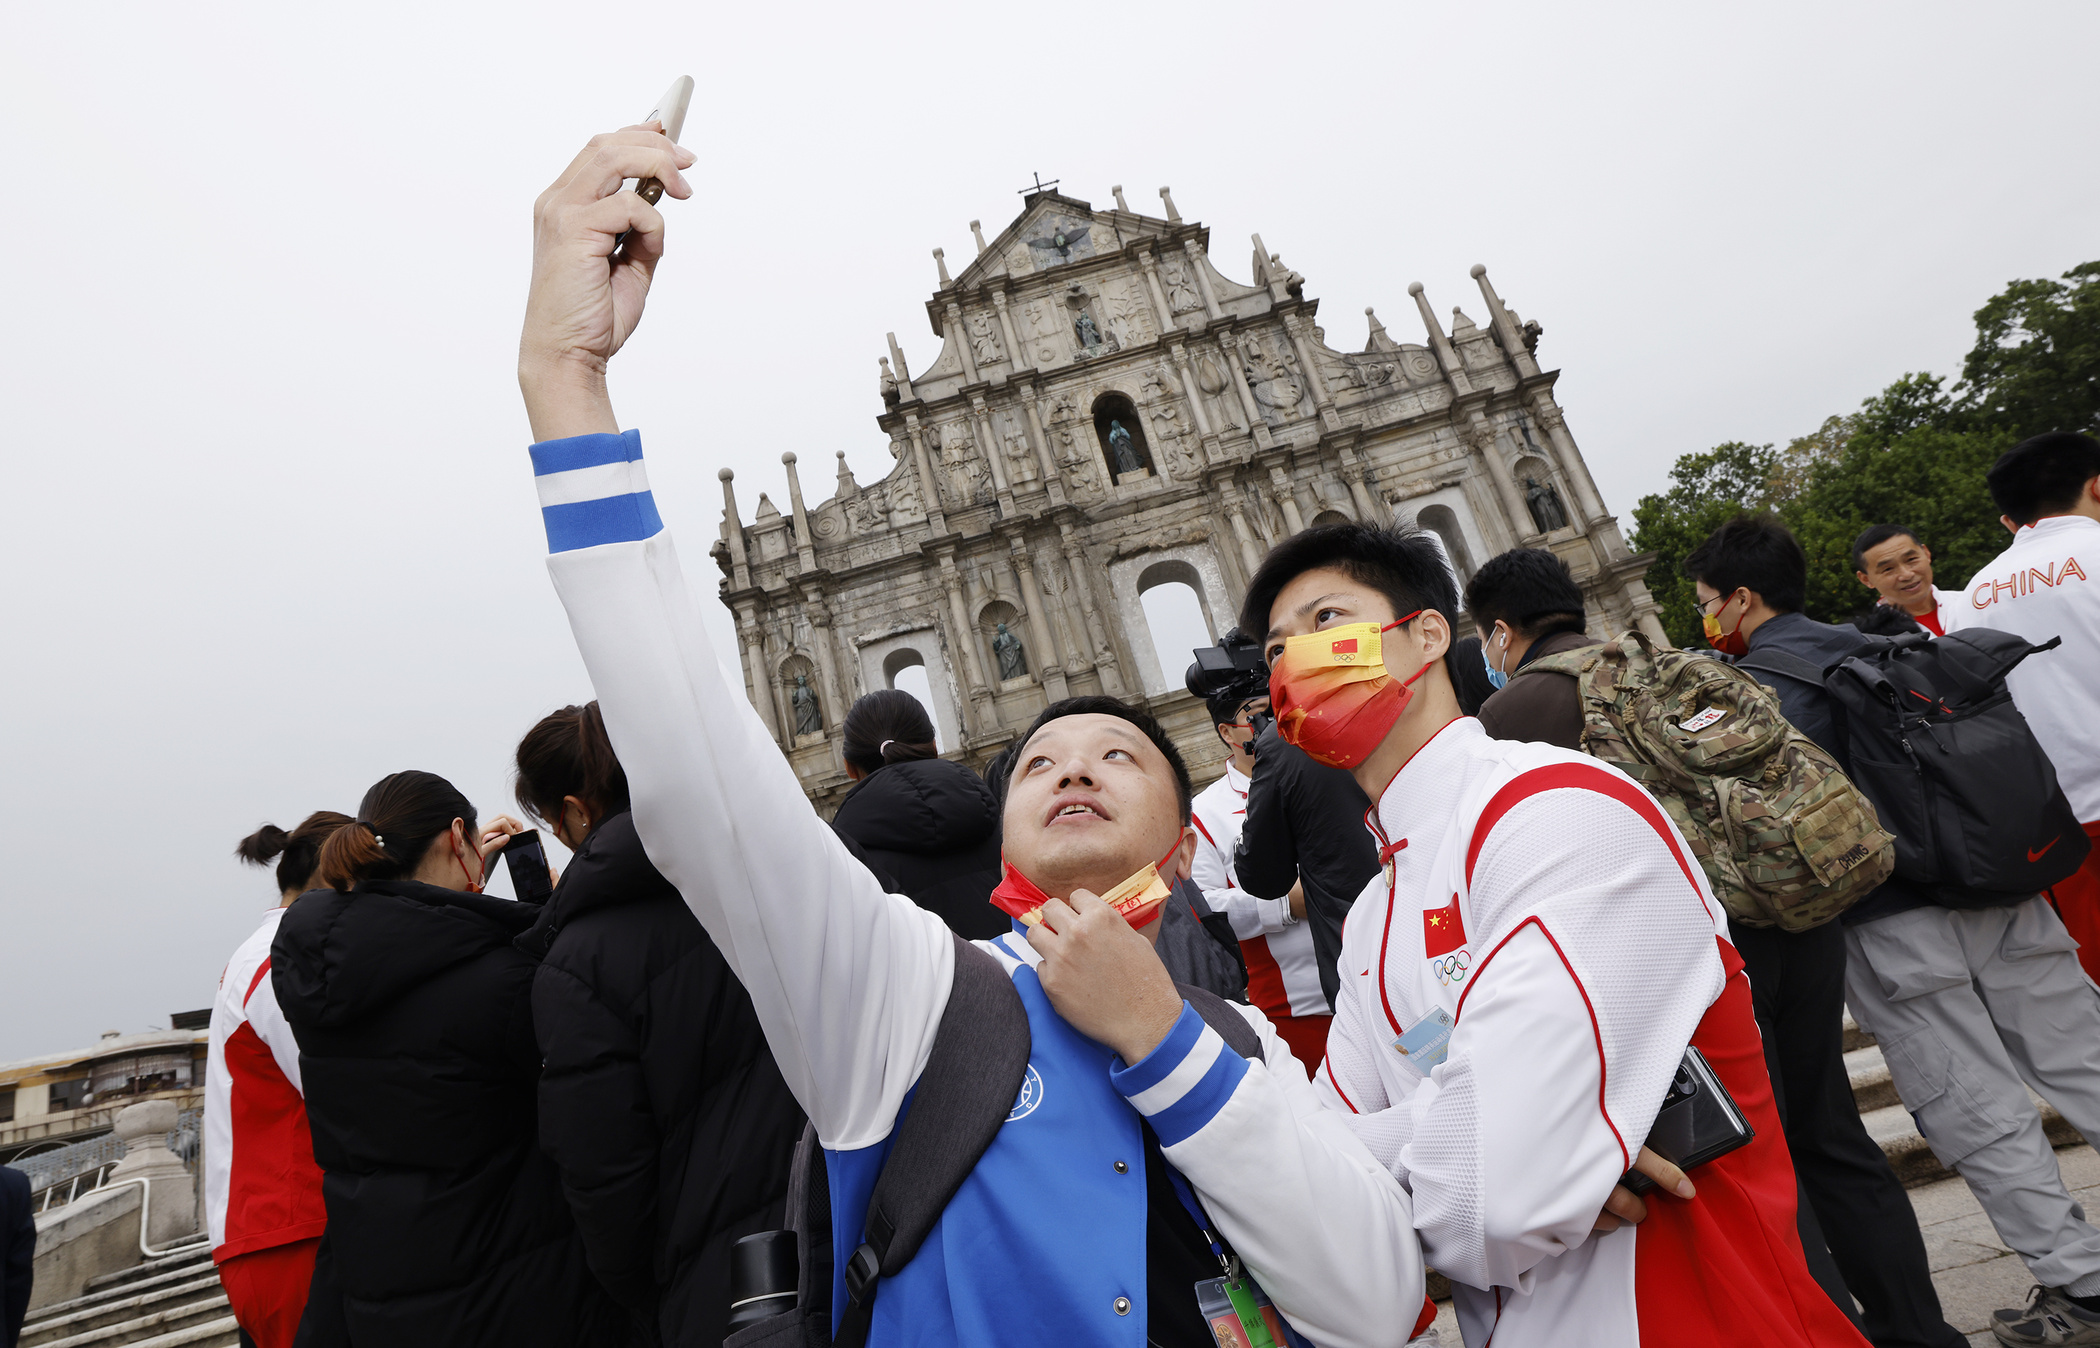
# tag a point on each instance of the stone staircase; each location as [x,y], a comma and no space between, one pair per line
[1891,1125]
[172,1302]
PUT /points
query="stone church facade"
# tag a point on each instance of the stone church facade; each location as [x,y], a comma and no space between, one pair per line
[1110,412]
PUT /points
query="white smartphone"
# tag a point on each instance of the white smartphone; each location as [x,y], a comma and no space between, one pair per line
[670,110]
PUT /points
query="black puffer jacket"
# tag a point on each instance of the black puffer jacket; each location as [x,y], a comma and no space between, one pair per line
[931,829]
[446,1225]
[660,1102]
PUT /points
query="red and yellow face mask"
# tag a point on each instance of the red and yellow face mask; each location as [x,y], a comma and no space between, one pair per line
[1138,898]
[1332,695]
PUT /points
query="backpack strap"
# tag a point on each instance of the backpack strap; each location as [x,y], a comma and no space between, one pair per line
[972,1075]
[1239,1036]
[1783,662]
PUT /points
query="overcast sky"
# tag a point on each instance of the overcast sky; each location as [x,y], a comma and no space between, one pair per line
[270,531]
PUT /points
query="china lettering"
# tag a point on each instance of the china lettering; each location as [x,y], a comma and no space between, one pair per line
[1452,968]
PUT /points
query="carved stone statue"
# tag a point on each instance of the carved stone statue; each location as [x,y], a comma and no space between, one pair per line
[984,342]
[1546,510]
[1013,661]
[1089,335]
[1181,296]
[809,717]
[1121,452]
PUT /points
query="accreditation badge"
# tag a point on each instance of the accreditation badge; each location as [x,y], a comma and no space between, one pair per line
[1241,1315]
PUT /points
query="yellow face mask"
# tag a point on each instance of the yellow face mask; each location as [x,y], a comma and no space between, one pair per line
[1138,898]
[1332,694]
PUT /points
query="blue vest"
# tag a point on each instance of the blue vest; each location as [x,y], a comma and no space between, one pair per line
[1044,1235]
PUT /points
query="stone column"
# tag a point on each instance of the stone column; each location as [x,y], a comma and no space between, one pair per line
[929,489]
[965,630]
[1505,327]
[1250,551]
[1017,357]
[1548,415]
[1454,368]
[1159,296]
[821,636]
[989,447]
[805,545]
[170,1200]
[758,679]
[1286,500]
[1052,478]
[1236,375]
[1189,389]
[1104,648]
[1071,635]
[1295,326]
[1360,491]
[1481,437]
[733,533]
[1050,671]
[1201,268]
[960,335]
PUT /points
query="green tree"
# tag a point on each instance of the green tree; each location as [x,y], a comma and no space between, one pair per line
[1914,454]
[1705,491]
[2036,364]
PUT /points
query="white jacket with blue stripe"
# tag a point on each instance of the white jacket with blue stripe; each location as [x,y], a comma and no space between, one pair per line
[1045,1242]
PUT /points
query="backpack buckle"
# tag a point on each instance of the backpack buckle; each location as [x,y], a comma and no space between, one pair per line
[861,1272]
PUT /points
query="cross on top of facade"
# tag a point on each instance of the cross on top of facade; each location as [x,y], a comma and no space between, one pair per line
[1040,186]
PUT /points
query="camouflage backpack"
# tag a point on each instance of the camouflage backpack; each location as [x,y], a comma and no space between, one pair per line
[1785,839]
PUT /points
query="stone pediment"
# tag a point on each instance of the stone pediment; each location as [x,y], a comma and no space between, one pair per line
[1051,231]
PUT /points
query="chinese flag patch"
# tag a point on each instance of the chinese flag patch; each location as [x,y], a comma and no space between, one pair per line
[1344,647]
[1442,931]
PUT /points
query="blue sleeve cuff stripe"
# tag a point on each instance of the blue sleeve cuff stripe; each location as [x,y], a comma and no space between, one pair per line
[585,451]
[610,519]
[1153,1068]
[1201,1104]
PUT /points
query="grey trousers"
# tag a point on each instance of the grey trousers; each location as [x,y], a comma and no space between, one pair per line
[1968,1006]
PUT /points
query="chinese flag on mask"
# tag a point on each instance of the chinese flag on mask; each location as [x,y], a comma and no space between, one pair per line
[1442,932]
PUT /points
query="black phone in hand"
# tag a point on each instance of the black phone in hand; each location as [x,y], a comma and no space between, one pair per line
[1698,1121]
[527,860]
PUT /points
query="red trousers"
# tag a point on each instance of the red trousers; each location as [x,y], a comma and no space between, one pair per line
[2077,901]
[268,1289]
[1307,1036]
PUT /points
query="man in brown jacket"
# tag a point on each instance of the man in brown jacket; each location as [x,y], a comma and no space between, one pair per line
[1527,605]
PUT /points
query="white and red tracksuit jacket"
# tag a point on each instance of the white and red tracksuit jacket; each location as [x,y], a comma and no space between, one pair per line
[2047,584]
[1283,978]
[1546,904]
[261,1185]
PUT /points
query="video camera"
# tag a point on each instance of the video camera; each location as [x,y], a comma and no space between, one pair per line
[1233,667]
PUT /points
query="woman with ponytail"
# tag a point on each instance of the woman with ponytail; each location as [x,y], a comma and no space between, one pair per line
[930,825]
[659,1100]
[412,1010]
[262,1190]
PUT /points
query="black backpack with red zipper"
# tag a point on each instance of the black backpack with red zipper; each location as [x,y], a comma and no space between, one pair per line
[1950,764]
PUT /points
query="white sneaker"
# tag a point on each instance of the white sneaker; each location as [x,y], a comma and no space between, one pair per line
[2049,1319]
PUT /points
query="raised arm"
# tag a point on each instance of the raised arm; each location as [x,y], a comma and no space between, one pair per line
[848,982]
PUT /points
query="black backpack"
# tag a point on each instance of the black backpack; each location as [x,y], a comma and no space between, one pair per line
[1950,764]
[973,1075]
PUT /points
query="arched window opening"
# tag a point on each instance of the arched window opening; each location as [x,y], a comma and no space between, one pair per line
[1441,524]
[1120,432]
[1176,616]
[906,669]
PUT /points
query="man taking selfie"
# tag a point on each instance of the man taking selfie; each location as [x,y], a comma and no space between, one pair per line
[1520,985]
[1138,1133]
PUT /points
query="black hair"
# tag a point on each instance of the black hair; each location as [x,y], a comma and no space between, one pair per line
[296,853]
[999,773]
[1469,676]
[1873,536]
[1225,707]
[1404,565]
[2042,475]
[1530,589]
[1105,706]
[1755,553]
[887,726]
[396,822]
[568,754]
